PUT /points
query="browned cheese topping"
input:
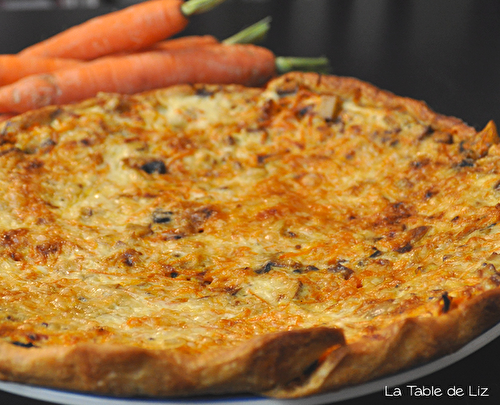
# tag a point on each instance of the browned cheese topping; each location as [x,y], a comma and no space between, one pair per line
[201,216]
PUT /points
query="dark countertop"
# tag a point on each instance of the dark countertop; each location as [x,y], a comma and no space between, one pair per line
[446,52]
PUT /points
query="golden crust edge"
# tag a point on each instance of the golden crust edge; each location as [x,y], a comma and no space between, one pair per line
[409,343]
[253,366]
[262,365]
[371,95]
[368,94]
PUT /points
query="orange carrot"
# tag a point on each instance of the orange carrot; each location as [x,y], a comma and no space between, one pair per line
[238,63]
[129,29]
[13,68]
[184,42]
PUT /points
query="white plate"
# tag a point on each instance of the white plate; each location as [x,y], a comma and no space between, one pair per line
[71,398]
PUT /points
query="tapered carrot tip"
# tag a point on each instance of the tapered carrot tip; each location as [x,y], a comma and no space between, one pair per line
[29,93]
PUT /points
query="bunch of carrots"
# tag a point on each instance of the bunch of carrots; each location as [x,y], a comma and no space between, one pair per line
[132,50]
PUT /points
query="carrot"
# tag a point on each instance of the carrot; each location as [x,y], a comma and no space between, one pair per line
[13,68]
[238,63]
[184,42]
[132,28]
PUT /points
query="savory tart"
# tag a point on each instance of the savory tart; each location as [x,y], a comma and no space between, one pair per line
[284,241]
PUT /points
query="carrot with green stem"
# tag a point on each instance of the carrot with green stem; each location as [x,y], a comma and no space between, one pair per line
[245,64]
[14,67]
[133,28]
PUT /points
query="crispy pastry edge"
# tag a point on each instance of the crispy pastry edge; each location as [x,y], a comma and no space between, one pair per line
[412,342]
[258,364]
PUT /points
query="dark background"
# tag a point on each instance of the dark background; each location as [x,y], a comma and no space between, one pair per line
[446,52]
